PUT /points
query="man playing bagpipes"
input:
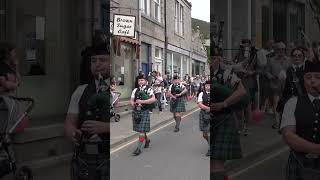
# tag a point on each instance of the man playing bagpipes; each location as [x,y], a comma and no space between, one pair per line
[294,85]
[226,95]
[142,101]
[87,121]
[300,127]
[205,116]
[177,104]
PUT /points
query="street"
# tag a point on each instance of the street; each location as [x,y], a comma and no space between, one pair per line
[271,167]
[178,156]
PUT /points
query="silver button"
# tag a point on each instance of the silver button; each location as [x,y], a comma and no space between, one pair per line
[316,121]
[315,129]
[314,136]
[317,114]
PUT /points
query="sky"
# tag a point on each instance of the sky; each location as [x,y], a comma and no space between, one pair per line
[200,9]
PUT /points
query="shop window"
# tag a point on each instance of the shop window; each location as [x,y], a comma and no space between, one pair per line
[158,53]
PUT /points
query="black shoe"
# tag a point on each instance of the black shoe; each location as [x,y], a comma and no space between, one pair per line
[137,152]
[208,153]
[176,130]
[147,144]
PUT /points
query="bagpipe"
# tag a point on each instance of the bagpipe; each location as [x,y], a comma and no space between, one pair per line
[142,95]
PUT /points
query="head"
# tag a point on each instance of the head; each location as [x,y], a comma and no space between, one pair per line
[207,86]
[176,79]
[215,62]
[269,44]
[154,73]
[100,62]
[8,53]
[312,78]
[280,49]
[142,80]
[297,56]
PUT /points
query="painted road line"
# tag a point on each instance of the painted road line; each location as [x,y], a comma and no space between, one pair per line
[259,163]
[152,132]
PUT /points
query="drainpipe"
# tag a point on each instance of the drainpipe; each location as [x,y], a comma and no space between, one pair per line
[165,37]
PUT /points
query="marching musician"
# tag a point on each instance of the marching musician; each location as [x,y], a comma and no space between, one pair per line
[141,100]
[204,120]
[77,123]
[294,85]
[176,92]
[225,140]
[301,124]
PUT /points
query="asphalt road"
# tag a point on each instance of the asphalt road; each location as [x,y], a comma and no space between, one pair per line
[178,156]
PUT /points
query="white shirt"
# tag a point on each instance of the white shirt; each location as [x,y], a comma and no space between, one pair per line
[200,99]
[180,84]
[149,92]
[288,117]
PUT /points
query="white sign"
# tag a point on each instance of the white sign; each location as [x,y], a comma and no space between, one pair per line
[124,25]
[111,27]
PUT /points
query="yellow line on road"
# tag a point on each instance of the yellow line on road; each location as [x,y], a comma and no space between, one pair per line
[152,132]
[234,175]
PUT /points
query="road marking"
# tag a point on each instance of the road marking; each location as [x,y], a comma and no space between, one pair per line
[152,132]
[258,163]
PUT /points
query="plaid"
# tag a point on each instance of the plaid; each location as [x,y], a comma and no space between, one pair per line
[144,124]
[294,170]
[225,141]
[95,166]
[204,121]
[177,105]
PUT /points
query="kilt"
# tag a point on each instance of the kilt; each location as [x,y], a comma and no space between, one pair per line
[294,170]
[177,105]
[225,140]
[144,124]
[204,121]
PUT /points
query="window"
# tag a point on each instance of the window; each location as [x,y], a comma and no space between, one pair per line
[158,53]
[179,18]
[157,10]
[145,6]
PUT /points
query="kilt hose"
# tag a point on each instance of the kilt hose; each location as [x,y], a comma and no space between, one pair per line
[177,105]
[144,124]
[225,140]
[204,121]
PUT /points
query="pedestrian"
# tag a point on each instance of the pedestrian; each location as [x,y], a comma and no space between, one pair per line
[177,104]
[300,128]
[157,89]
[86,125]
[276,72]
[136,84]
[9,75]
[142,99]
[294,85]
[225,140]
[205,117]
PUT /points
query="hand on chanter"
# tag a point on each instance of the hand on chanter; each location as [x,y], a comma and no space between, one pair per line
[94,127]
[217,106]
[76,136]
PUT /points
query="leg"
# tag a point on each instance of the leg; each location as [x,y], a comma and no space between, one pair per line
[206,137]
[274,109]
[217,171]
[147,144]
[178,120]
[140,143]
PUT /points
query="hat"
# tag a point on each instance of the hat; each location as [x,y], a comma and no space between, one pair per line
[142,76]
[207,82]
[176,77]
[101,49]
[311,67]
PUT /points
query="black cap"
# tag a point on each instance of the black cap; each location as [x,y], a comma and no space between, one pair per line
[142,76]
[102,49]
[311,67]
[176,77]
[207,82]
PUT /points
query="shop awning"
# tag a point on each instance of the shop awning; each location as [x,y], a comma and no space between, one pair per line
[129,40]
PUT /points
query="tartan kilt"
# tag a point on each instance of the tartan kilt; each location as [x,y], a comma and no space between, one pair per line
[225,140]
[204,121]
[177,105]
[144,124]
[294,170]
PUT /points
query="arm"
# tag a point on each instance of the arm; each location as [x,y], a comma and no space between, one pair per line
[236,95]
[297,143]
[70,126]
[202,106]
[149,101]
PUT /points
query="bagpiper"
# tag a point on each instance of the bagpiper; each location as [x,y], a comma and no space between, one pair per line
[177,104]
[142,100]
[226,90]
[300,128]
[205,117]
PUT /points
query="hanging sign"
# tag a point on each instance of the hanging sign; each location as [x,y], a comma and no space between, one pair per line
[124,25]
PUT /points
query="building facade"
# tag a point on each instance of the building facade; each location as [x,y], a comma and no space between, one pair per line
[199,54]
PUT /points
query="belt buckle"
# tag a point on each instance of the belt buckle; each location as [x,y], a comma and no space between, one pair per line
[311,156]
[91,149]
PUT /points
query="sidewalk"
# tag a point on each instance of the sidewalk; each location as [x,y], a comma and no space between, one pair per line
[122,132]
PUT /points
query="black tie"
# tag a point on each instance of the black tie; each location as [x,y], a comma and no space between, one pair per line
[316,104]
